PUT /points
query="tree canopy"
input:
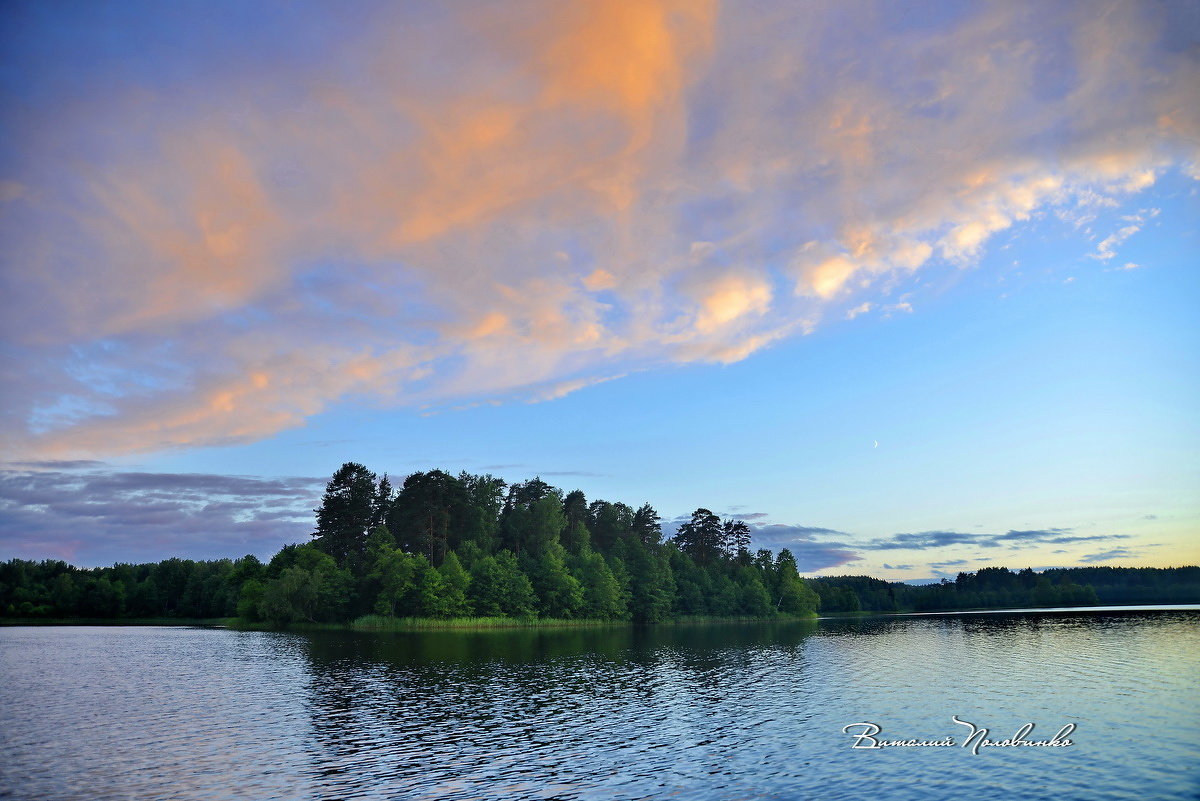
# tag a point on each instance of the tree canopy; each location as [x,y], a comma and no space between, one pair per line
[471,545]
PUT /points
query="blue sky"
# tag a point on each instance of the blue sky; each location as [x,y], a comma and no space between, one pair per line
[912,292]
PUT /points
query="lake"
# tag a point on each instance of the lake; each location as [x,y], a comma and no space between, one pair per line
[721,711]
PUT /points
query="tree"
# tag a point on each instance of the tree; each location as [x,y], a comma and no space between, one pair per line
[250,599]
[575,507]
[393,572]
[457,581]
[292,596]
[793,596]
[575,536]
[602,596]
[736,539]
[431,597]
[533,516]
[702,537]
[429,514]
[486,591]
[609,523]
[485,501]
[647,525]
[382,504]
[345,516]
[498,587]
[651,584]
[558,592]
[753,599]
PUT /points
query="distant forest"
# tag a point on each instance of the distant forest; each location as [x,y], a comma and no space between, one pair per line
[446,546]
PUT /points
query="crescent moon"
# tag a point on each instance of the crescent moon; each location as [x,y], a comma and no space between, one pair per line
[876,443]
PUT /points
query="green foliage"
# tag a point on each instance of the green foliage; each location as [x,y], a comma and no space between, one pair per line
[347,512]
[450,547]
[559,593]
[498,587]
[651,583]
[575,537]
[533,517]
[432,598]
[602,594]
[312,589]
[430,515]
[291,596]
[753,600]
[393,574]
[702,537]
[457,582]
[794,595]
[250,598]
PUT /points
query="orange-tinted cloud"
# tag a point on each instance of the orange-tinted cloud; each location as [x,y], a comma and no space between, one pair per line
[452,205]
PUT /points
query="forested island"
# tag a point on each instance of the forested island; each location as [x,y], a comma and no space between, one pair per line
[474,549]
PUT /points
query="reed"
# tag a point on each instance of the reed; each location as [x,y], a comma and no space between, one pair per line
[385,623]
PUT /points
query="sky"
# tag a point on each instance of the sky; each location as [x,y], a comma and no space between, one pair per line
[910,287]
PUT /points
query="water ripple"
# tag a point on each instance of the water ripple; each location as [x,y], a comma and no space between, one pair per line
[716,712]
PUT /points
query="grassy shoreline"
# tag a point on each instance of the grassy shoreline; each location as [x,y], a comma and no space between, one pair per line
[382,623]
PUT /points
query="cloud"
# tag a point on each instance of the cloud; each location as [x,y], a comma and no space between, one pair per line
[101,516]
[926,540]
[1105,556]
[923,540]
[861,308]
[58,464]
[812,554]
[1107,247]
[214,243]
[886,566]
[806,543]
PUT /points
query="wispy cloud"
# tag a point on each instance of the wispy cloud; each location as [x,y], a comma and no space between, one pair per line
[951,563]
[227,241]
[1107,556]
[927,540]
[1107,249]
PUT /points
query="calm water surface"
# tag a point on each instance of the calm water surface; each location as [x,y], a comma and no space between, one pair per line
[710,712]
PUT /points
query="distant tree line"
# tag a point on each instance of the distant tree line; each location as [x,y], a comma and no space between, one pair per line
[1001,588]
[473,546]
[444,546]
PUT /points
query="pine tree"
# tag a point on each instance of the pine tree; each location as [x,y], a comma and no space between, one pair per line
[647,525]
[345,515]
[702,537]
[736,539]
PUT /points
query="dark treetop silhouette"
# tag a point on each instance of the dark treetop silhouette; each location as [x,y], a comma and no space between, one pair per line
[448,546]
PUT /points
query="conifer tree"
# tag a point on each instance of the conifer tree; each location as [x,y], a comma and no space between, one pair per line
[345,515]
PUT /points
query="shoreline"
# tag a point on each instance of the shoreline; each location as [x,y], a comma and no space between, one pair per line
[376,623]
[399,624]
